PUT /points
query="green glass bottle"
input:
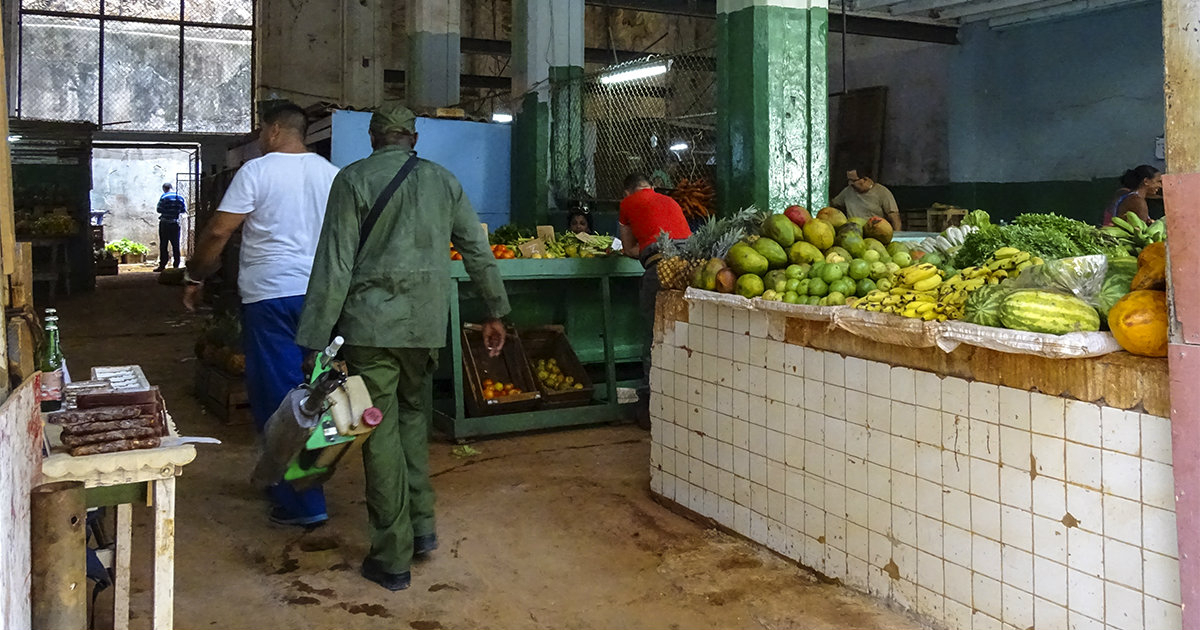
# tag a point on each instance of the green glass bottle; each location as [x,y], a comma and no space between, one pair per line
[51,365]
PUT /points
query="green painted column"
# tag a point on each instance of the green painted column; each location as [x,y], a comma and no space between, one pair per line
[772,130]
[547,49]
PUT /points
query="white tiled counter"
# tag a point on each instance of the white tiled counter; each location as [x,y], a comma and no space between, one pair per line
[976,505]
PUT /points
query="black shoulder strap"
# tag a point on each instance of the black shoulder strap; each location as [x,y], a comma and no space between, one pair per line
[384,197]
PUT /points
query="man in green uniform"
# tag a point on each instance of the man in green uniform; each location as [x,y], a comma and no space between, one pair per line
[383,285]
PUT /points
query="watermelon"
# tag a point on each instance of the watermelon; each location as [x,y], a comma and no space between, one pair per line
[1116,282]
[1047,312]
[983,305]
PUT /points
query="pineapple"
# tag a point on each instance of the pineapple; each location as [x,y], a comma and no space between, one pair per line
[674,271]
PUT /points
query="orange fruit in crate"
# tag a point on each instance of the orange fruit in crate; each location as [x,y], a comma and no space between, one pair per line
[489,394]
[487,382]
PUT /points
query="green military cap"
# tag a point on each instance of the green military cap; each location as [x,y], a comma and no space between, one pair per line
[393,118]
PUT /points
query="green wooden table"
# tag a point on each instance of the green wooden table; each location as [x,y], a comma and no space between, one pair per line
[594,299]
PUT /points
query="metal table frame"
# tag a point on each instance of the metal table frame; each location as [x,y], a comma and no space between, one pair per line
[600,270]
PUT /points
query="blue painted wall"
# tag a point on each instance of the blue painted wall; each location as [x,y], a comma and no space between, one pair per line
[479,155]
[1074,99]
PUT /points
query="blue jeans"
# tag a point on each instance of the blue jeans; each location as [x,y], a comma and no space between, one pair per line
[273,368]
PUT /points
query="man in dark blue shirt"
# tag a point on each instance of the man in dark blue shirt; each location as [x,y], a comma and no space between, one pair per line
[170,206]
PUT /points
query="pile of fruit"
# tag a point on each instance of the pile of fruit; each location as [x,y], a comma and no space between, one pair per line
[220,344]
[1134,234]
[493,390]
[799,259]
[500,252]
[552,378]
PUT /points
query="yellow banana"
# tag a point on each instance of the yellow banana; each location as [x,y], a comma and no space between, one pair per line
[927,284]
[921,272]
[1005,252]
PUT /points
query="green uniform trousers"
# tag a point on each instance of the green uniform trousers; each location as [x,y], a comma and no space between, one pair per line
[396,455]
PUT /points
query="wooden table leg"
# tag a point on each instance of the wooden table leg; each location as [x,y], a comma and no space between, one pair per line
[121,566]
[164,554]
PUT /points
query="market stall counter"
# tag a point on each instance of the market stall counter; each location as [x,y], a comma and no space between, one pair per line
[593,300]
[975,487]
[123,471]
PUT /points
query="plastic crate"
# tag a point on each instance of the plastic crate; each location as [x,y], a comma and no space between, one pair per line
[510,367]
[550,342]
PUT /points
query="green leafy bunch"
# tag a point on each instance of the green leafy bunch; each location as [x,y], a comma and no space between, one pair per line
[1048,235]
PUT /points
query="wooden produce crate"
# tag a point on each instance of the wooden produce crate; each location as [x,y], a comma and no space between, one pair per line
[222,394]
[510,367]
[550,342]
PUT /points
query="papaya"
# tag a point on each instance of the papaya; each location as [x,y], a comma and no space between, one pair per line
[1152,269]
[1139,323]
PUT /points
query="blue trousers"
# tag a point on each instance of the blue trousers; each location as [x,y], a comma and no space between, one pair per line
[273,368]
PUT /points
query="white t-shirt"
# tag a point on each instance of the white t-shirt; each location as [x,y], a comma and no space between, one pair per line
[283,196]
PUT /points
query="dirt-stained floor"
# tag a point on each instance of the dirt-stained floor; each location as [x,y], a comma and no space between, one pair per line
[554,530]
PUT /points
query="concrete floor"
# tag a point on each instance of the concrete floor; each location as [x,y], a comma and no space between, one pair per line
[555,530]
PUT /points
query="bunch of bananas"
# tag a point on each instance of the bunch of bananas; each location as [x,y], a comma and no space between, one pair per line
[1134,234]
[909,303]
[1004,263]
[916,294]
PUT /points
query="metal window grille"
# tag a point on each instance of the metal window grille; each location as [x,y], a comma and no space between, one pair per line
[655,116]
[142,65]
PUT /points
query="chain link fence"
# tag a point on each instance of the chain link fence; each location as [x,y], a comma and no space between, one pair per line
[655,116]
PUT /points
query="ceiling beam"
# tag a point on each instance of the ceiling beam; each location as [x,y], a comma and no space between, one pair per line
[869,26]
[692,8]
[933,8]
[867,5]
[894,29]
[978,10]
[1066,9]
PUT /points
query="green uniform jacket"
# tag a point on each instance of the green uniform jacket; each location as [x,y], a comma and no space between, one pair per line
[395,293]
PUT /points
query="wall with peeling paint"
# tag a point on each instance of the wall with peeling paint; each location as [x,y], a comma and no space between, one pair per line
[1075,99]
[916,150]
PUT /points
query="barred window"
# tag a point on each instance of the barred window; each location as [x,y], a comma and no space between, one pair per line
[138,65]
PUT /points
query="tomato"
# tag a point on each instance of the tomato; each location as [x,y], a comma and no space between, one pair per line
[510,255]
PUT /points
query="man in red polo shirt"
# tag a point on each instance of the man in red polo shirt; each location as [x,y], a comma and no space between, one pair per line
[644,214]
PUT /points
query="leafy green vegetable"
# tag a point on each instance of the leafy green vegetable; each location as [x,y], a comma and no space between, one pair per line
[125,246]
[1049,236]
[977,219]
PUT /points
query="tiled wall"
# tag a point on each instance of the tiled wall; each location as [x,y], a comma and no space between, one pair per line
[974,505]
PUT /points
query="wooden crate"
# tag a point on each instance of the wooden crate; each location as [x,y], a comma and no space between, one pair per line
[550,342]
[222,394]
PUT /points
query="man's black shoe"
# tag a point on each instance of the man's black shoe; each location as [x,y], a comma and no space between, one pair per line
[423,545]
[390,581]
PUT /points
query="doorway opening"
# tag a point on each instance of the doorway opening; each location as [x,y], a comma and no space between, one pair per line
[127,182]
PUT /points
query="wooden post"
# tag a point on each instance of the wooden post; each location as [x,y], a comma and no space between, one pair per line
[8,229]
[59,588]
[1181,191]
[164,554]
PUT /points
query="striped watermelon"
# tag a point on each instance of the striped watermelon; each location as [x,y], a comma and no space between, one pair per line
[1048,312]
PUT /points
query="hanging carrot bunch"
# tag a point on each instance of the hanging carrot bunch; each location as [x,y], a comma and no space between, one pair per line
[695,197]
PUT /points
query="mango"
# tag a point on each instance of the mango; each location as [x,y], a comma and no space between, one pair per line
[776,257]
[779,229]
[744,259]
[820,233]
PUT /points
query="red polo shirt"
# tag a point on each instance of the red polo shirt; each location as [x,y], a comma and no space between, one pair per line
[647,213]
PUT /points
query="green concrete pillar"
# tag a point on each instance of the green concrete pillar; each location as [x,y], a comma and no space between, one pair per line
[547,47]
[772,130]
[434,53]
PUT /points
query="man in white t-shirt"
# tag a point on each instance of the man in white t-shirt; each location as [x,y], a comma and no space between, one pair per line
[278,200]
